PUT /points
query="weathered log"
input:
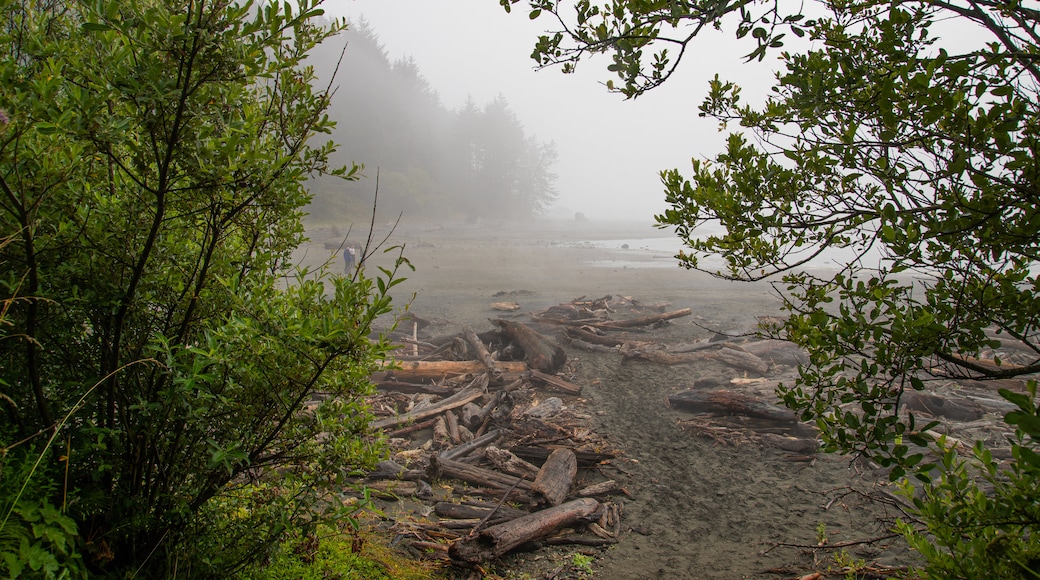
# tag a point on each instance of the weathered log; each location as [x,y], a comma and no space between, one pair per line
[777,352]
[644,321]
[727,403]
[412,428]
[949,407]
[447,509]
[475,443]
[388,469]
[540,352]
[556,476]
[556,382]
[592,337]
[417,370]
[498,540]
[412,388]
[800,445]
[730,356]
[508,462]
[482,353]
[477,475]
[457,400]
[741,359]
[453,427]
[538,455]
[601,488]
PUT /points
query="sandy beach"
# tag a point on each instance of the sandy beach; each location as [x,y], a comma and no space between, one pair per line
[699,508]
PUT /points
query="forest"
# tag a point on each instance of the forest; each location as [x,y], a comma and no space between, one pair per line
[473,163]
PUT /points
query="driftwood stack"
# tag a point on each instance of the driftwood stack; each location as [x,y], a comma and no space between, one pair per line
[487,429]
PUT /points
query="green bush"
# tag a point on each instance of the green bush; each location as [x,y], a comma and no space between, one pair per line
[153,156]
[980,520]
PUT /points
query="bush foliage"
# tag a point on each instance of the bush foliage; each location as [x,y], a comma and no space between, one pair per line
[158,345]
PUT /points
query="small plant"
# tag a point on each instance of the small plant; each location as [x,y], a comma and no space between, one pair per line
[582,563]
[845,563]
[821,534]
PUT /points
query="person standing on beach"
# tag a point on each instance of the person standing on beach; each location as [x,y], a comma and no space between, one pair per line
[349,259]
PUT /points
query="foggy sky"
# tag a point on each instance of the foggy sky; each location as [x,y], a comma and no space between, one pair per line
[610,149]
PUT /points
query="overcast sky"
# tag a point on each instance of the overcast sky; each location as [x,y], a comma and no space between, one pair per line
[610,150]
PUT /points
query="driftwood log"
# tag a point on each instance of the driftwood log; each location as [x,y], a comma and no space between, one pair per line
[457,400]
[556,476]
[498,540]
[482,352]
[643,321]
[508,462]
[728,403]
[478,475]
[732,356]
[556,382]
[416,370]
[540,352]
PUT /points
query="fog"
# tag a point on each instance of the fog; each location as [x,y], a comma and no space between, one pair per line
[610,150]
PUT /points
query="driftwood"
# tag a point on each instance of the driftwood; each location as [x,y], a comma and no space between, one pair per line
[482,352]
[644,321]
[447,509]
[498,540]
[556,382]
[540,454]
[469,446]
[508,462]
[431,370]
[457,400]
[601,488]
[727,403]
[477,475]
[727,355]
[556,476]
[540,352]
[576,333]
[412,388]
[958,410]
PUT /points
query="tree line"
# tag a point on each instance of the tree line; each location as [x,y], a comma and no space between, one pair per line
[473,162]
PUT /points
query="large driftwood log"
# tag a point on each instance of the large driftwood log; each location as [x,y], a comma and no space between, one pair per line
[447,509]
[498,540]
[457,400]
[731,356]
[583,335]
[431,370]
[556,476]
[727,403]
[540,352]
[644,321]
[477,475]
